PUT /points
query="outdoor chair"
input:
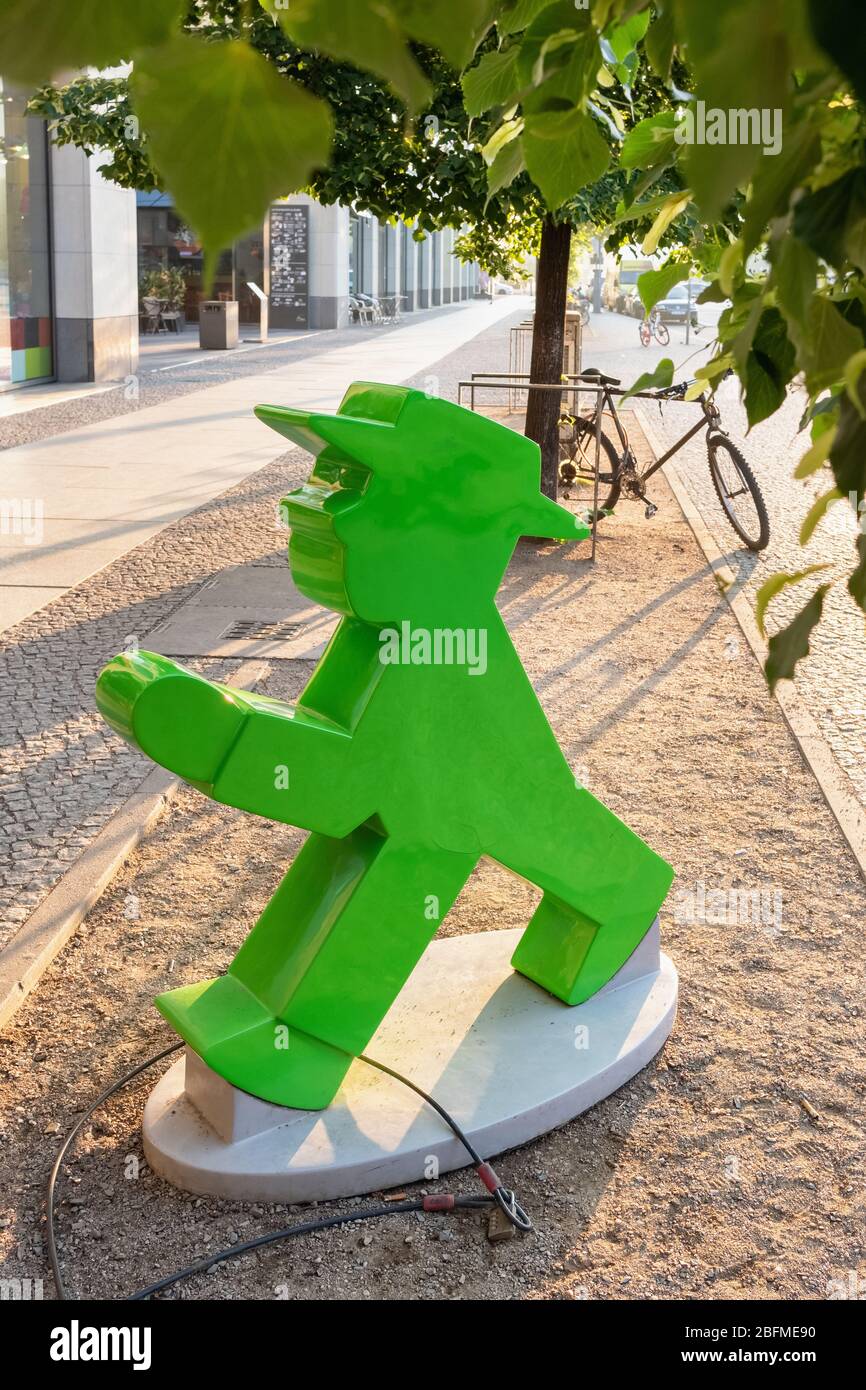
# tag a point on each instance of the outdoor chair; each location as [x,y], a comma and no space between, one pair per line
[152,314]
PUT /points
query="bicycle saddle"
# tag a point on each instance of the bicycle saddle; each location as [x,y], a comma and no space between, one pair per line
[600,376]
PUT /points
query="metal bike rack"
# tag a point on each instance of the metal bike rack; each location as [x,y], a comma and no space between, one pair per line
[482,381]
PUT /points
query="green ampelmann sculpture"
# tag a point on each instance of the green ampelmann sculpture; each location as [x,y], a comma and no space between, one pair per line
[417,747]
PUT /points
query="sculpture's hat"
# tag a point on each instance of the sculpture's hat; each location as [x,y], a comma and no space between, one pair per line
[404,434]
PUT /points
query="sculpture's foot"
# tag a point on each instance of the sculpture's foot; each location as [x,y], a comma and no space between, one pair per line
[572,957]
[241,1040]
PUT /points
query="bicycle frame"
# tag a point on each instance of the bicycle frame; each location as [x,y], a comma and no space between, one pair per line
[710,420]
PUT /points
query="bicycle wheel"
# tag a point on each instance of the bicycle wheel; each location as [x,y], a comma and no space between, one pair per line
[662,333]
[646,333]
[738,491]
[577,468]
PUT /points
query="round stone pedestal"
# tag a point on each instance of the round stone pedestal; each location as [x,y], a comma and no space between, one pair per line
[507,1060]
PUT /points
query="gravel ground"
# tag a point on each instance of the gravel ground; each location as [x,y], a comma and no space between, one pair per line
[832,680]
[63,774]
[703,1177]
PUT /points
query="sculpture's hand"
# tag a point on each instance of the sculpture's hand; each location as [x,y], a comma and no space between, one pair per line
[242,749]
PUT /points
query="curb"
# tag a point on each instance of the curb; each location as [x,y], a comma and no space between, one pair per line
[42,937]
[816,752]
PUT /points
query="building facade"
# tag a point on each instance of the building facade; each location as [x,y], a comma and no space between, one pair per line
[309,259]
[68,281]
[78,254]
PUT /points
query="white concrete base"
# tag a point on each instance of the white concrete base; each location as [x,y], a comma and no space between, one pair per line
[507,1060]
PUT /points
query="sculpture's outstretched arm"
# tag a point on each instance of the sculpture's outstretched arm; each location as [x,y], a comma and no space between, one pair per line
[241,749]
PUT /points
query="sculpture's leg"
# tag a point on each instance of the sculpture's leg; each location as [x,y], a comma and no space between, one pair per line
[322,966]
[602,890]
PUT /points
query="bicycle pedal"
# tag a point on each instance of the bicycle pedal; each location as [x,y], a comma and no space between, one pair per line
[650,510]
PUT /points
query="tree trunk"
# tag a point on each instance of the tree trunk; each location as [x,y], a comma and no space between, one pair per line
[548,345]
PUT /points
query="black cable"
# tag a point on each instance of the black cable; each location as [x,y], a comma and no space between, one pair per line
[67,1144]
[302,1229]
[503,1196]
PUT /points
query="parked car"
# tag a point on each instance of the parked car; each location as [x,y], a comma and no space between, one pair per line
[677,306]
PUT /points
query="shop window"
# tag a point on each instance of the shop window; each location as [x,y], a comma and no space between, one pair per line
[26,353]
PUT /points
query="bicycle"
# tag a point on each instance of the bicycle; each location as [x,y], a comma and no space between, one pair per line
[652,327]
[622,476]
[580,303]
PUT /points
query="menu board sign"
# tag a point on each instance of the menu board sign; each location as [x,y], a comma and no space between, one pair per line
[290,260]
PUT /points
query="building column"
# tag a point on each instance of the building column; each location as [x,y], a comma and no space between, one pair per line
[95,261]
[409,271]
[330,249]
[371,257]
[447,265]
[425,264]
[436,269]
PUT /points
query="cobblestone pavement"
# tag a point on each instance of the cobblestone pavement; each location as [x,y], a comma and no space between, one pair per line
[63,773]
[832,680]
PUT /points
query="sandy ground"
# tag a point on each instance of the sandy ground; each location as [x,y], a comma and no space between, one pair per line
[703,1177]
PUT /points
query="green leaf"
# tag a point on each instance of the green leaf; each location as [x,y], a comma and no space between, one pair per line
[832,220]
[825,344]
[624,38]
[773,586]
[815,513]
[505,168]
[776,178]
[269,136]
[713,294]
[795,272]
[565,36]
[730,263]
[519,15]
[364,33]
[40,37]
[455,27]
[792,644]
[716,368]
[816,455]
[660,42]
[501,138]
[661,376]
[492,82]
[848,451]
[740,54]
[673,205]
[769,367]
[653,285]
[564,153]
[650,143]
[854,368]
